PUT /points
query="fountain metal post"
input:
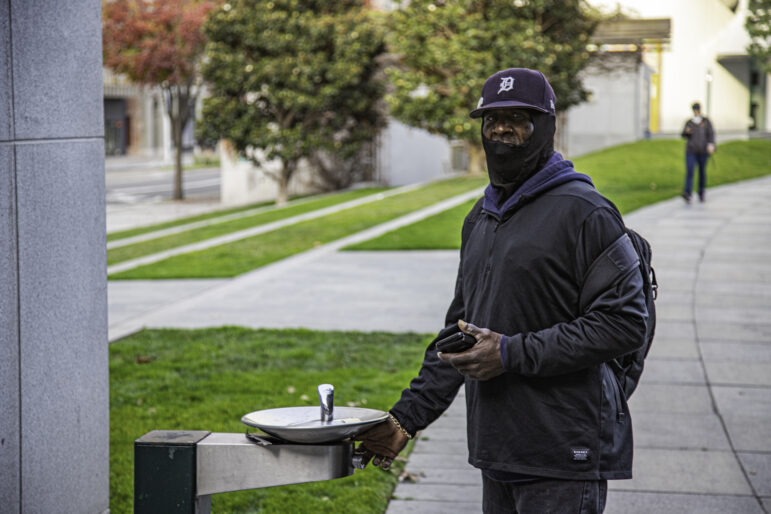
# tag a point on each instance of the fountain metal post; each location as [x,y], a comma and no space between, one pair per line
[176,472]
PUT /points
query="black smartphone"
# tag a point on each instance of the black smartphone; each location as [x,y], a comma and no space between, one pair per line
[455,343]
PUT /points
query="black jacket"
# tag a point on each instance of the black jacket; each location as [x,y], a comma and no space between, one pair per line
[557,411]
[699,135]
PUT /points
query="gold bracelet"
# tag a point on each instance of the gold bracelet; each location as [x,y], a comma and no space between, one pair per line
[399,426]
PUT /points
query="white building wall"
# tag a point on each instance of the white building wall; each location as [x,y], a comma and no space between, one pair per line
[700,30]
[768,102]
[615,113]
[407,155]
[242,183]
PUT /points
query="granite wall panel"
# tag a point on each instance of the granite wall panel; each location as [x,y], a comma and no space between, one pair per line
[5,72]
[57,69]
[63,325]
[54,410]
[9,337]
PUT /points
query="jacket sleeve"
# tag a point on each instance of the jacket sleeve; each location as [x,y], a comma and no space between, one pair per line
[684,133]
[710,132]
[611,320]
[435,387]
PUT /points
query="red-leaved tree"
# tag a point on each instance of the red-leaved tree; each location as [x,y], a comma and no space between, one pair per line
[159,42]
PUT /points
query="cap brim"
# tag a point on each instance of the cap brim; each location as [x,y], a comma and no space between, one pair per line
[477,113]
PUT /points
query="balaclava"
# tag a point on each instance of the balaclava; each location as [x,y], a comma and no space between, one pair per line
[509,166]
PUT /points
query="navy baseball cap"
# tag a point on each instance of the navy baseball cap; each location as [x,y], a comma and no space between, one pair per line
[516,87]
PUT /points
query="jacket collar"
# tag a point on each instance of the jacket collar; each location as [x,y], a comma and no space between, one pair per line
[557,171]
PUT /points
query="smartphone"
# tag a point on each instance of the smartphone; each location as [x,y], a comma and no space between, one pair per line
[455,343]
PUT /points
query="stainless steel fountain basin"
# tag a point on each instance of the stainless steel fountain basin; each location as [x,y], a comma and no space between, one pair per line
[302,424]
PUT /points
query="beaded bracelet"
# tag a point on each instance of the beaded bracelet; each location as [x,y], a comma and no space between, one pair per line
[399,426]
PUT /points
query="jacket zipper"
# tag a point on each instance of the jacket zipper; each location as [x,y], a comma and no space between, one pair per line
[613,384]
[489,263]
[617,391]
[620,414]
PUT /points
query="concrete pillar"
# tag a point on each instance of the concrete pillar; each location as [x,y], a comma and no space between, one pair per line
[54,406]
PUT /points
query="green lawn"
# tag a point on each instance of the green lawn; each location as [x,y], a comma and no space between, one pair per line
[133,251]
[438,232]
[232,259]
[123,234]
[632,176]
[646,172]
[207,379]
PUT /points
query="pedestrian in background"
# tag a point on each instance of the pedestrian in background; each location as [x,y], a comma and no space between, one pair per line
[701,144]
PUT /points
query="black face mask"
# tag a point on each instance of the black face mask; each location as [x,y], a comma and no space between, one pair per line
[509,166]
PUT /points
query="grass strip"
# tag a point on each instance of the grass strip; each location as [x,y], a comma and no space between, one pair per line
[123,234]
[646,172]
[232,259]
[438,232]
[207,379]
[125,253]
[632,176]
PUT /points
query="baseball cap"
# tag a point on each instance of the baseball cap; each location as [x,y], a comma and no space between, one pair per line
[516,87]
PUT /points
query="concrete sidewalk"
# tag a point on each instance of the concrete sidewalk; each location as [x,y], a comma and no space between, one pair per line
[701,415]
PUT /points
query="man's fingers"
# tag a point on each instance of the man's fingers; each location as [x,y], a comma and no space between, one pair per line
[382,462]
[469,356]
[468,328]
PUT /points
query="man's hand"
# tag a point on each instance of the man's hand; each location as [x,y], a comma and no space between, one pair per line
[385,440]
[710,148]
[483,360]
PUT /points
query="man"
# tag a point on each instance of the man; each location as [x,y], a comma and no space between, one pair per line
[546,421]
[701,144]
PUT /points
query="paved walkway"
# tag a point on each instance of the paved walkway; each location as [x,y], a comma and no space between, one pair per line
[702,413]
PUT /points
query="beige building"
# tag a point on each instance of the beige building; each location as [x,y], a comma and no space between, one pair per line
[136,122]
[706,61]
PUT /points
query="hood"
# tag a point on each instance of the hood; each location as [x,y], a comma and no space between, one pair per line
[555,172]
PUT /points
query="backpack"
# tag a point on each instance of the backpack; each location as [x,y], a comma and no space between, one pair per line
[628,368]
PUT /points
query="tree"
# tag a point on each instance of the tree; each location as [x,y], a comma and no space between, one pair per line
[292,80]
[159,42]
[758,26]
[447,48]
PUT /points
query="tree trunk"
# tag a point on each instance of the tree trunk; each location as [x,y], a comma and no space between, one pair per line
[560,136]
[283,183]
[476,158]
[178,191]
[179,108]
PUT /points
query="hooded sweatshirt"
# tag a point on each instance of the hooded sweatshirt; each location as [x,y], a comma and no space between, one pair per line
[556,411]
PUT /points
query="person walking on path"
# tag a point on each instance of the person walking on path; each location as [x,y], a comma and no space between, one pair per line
[547,421]
[700,145]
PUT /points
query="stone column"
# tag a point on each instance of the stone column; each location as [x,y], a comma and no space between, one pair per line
[54,403]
